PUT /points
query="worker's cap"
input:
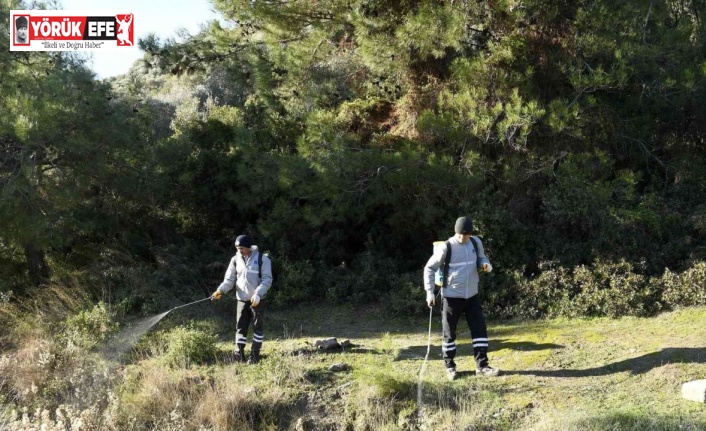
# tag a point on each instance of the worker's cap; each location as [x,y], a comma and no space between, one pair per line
[243,241]
[464,225]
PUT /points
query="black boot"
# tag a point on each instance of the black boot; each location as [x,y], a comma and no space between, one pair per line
[239,355]
[254,357]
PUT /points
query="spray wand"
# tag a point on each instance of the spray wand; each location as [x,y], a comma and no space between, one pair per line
[191,303]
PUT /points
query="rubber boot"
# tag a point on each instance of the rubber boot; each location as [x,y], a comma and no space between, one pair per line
[254,357]
[239,355]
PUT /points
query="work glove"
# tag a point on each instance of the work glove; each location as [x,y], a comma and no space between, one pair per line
[216,295]
[431,299]
[255,300]
[487,267]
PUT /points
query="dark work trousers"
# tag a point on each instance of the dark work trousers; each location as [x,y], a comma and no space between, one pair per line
[246,314]
[451,312]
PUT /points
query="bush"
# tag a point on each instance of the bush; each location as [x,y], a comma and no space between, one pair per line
[534,297]
[186,346]
[685,289]
[602,289]
[613,290]
[338,284]
[297,283]
[370,278]
[89,328]
[406,296]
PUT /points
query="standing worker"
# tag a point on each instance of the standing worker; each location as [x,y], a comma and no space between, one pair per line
[460,294]
[251,273]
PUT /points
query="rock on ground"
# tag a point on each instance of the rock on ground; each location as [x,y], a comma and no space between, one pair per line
[327,344]
[339,367]
[694,391]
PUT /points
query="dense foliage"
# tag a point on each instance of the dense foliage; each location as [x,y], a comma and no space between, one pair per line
[346,136]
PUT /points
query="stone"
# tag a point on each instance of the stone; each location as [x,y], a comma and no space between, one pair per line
[327,344]
[694,391]
[339,367]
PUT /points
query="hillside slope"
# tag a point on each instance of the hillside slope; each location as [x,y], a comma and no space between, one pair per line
[578,374]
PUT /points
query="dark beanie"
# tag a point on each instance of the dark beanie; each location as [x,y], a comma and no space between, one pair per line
[243,241]
[464,225]
[21,22]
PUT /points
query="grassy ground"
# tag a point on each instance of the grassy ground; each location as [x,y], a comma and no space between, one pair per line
[596,374]
[585,375]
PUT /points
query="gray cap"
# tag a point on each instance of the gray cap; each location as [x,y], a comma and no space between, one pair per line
[464,225]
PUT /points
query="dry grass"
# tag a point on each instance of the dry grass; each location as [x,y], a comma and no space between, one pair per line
[230,404]
[38,313]
[221,396]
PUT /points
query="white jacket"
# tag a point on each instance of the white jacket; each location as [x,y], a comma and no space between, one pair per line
[462,281]
[243,274]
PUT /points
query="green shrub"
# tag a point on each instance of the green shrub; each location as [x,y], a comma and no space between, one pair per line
[369,279]
[539,296]
[613,290]
[297,283]
[685,289]
[89,328]
[185,346]
[602,289]
[336,284]
[406,296]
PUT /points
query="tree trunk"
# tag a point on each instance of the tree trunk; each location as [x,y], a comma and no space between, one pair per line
[38,269]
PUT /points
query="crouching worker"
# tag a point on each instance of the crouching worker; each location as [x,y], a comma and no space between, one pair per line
[460,294]
[250,272]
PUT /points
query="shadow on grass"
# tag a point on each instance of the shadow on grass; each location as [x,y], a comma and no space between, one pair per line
[419,352]
[355,350]
[638,365]
[465,374]
[526,346]
[635,422]
[227,357]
